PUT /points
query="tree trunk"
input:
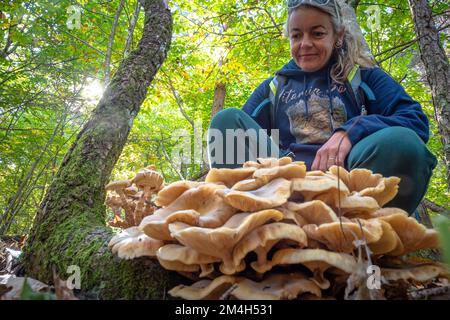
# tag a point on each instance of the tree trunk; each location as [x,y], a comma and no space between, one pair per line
[219,98]
[69,228]
[437,69]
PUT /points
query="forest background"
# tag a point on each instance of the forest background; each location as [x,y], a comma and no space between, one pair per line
[57,56]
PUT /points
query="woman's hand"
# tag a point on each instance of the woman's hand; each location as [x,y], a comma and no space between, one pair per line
[329,154]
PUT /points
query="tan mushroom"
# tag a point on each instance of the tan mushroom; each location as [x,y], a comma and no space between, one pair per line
[273,194]
[312,212]
[131,191]
[132,243]
[413,235]
[291,216]
[150,182]
[205,289]
[340,237]
[288,171]
[268,162]
[262,239]
[328,189]
[287,286]
[229,176]
[119,187]
[180,258]
[313,187]
[220,242]
[354,205]
[421,273]
[198,206]
[265,175]
[115,203]
[369,184]
[171,192]
[316,260]
[248,184]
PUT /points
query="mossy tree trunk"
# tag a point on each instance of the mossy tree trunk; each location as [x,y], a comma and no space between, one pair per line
[69,228]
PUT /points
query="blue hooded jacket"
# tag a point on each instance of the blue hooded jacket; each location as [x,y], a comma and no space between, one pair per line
[312,107]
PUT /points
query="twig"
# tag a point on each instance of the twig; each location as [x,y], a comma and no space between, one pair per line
[227,293]
[425,293]
[435,207]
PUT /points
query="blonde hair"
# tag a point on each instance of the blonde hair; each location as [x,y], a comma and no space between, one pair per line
[352,51]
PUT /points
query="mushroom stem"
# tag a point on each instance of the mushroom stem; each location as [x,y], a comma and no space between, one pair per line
[261,252]
[128,210]
[139,211]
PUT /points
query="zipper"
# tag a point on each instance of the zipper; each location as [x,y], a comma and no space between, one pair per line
[363,110]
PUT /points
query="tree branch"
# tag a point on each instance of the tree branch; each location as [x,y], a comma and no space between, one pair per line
[435,207]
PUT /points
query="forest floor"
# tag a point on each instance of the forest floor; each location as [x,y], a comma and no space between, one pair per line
[12,278]
[14,287]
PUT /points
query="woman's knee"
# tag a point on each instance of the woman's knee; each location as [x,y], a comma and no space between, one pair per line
[399,140]
[394,145]
[226,117]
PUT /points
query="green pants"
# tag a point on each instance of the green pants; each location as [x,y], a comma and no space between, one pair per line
[393,151]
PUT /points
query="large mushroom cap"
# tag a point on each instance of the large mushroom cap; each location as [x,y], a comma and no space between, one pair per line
[355,206]
[220,242]
[170,193]
[312,186]
[312,212]
[369,184]
[413,235]
[276,287]
[132,243]
[269,162]
[389,243]
[289,171]
[421,273]
[273,194]
[340,237]
[179,258]
[316,260]
[198,206]
[204,289]
[229,176]
[263,238]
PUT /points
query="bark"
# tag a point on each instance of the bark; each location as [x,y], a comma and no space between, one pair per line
[437,69]
[69,228]
[219,98]
[111,42]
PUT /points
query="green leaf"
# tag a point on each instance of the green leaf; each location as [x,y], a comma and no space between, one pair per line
[442,225]
[28,294]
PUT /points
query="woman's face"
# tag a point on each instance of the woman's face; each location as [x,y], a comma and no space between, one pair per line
[312,38]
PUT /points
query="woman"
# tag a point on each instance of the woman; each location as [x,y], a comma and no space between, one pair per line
[318,115]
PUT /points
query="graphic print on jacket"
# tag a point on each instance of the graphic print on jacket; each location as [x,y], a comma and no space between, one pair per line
[314,120]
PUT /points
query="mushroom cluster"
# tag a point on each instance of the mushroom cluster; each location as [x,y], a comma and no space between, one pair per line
[132,197]
[272,230]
